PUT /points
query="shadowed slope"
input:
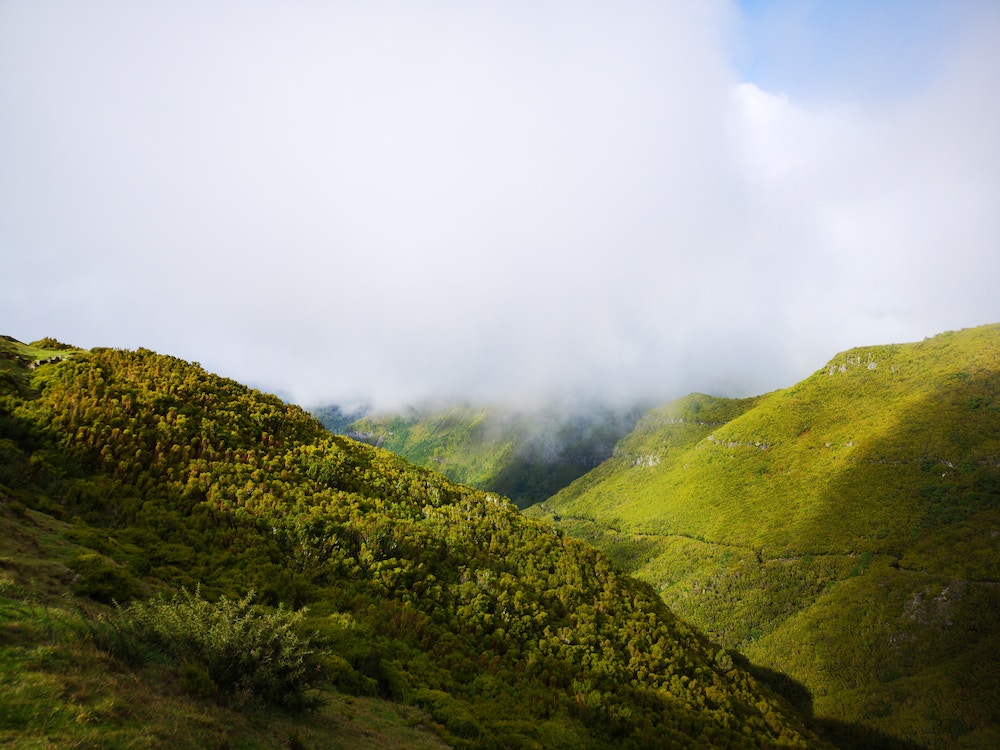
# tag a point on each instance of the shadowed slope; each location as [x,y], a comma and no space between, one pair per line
[524,456]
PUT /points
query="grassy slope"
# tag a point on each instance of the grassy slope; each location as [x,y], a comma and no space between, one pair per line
[521,456]
[128,473]
[842,531]
[58,690]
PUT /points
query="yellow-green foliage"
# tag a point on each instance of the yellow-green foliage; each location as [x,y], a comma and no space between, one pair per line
[499,629]
[17,360]
[527,457]
[810,528]
[231,645]
[59,688]
[461,442]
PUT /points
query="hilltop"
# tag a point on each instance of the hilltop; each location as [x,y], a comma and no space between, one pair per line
[842,532]
[188,561]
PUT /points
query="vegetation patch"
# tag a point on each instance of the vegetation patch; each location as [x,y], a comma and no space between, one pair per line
[842,531]
[245,651]
[382,584]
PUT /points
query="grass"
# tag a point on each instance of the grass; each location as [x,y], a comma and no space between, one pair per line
[815,528]
[60,690]
[419,591]
[15,355]
[526,457]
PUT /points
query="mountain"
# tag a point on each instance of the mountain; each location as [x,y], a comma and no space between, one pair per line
[526,456]
[187,561]
[843,532]
[338,418]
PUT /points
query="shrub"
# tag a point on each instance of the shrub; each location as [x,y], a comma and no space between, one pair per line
[103,580]
[244,650]
[453,714]
[196,680]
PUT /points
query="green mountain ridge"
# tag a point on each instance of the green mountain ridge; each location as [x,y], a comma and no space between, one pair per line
[842,532]
[164,529]
[526,456]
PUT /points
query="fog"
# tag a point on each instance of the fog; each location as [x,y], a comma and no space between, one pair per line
[390,201]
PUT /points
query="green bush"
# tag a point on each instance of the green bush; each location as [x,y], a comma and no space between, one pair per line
[103,580]
[196,680]
[451,713]
[245,650]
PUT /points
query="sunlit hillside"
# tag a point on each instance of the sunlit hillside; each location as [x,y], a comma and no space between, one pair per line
[843,531]
[188,562]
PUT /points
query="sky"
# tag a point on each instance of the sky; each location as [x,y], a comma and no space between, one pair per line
[390,201]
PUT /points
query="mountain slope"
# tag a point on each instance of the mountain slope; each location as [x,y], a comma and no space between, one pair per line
[129,475]
[524,456]
[842,531]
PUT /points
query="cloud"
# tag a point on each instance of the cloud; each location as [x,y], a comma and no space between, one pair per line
[891,201]
[494,200]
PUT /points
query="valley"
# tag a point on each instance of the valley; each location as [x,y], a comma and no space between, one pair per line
[192,562]
[813,567]
[526,456]
[841,532]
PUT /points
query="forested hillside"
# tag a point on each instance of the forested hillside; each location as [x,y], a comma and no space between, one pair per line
[843,531]
[526,456]
[164,529]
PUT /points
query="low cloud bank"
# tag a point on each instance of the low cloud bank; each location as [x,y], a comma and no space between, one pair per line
[500,202]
